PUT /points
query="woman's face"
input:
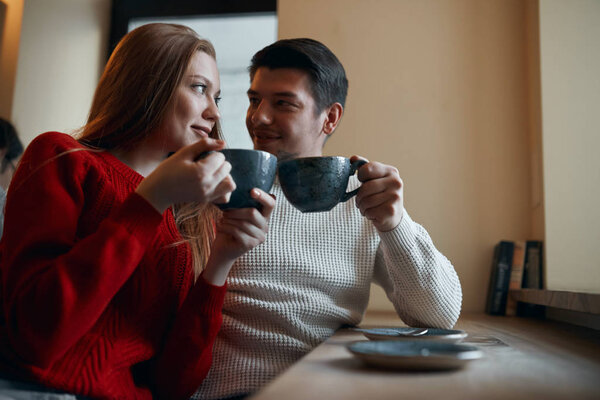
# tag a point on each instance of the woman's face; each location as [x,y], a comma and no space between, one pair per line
[193,111]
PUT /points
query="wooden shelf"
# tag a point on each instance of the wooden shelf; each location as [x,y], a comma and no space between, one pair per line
[581,302]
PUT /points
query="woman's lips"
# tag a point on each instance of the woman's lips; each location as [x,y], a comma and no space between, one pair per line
[201,130]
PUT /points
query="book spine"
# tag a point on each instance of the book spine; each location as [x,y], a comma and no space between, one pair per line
[532,276]
[500,278]
[516,275]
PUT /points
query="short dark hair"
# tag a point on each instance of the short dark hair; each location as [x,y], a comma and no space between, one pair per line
[9,140]
[327,75]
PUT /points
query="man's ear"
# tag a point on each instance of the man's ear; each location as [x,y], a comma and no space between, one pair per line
[333,117]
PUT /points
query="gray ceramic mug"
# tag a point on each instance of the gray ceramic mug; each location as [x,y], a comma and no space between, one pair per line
[249,169]
[314,184]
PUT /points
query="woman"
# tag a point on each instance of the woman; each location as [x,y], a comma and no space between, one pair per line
[104,292]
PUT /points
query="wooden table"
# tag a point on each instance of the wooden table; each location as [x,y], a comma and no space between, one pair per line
[523,359]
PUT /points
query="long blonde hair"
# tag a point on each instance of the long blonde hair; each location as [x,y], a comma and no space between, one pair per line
[130,102]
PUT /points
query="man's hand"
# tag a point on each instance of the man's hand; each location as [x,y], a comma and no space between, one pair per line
[380,198]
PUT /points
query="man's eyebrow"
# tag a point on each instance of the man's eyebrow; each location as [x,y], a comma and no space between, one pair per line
[280,94]
[286,94]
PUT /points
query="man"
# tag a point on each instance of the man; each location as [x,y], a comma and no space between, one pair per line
[313,273]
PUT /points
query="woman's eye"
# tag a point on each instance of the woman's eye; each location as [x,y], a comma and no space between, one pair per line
[199,87]
[217,100]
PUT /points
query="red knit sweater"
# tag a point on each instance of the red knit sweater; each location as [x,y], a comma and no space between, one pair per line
[96,299]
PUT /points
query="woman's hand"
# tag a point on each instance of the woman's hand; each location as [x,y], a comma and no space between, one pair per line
[239,231]
[187,176]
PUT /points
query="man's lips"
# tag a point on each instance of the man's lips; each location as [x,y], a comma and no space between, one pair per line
[265,136]
[263,141]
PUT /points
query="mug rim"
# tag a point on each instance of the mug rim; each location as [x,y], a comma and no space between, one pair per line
[247,150]
[313,157]
[265,154]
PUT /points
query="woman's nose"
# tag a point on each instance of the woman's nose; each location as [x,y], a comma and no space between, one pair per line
[211,112]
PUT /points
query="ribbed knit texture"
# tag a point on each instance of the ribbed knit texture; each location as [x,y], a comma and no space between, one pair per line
[311,276]
[94,293]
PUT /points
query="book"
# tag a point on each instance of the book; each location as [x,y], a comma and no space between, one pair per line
[533,270]
[516,274]
[499,278]
[532,278]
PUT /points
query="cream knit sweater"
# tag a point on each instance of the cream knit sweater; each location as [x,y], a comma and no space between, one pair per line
[311,276]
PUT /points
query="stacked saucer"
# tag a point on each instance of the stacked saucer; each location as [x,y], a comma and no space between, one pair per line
[408,348]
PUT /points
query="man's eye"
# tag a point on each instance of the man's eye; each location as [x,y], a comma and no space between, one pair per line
[199,87]
[253,100]
[283,103]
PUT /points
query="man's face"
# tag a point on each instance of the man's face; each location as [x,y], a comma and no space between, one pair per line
[281,117]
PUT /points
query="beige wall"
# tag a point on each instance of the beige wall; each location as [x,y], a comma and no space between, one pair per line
[63,49]
[440,90]
[10,30]
[570,55]
[532,43]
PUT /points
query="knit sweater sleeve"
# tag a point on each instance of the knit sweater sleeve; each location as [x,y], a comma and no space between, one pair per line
[186,356]
[55,286]
[420,282]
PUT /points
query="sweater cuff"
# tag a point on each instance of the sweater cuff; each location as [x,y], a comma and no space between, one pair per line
[402,237]
[139,217]
[207,298]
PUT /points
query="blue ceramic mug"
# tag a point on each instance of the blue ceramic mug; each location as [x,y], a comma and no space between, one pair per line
[314,184]
[249,169]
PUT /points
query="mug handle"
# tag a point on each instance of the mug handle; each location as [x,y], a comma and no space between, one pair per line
[353,168]
[204,155]
[200,156]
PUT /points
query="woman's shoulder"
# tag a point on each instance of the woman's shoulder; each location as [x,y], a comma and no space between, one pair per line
[50,145]
[54,141]
[56,149]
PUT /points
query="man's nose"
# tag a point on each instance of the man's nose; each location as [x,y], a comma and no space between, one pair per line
[262,114]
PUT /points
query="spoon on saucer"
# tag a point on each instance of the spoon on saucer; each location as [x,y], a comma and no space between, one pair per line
[391,332]
[412,332]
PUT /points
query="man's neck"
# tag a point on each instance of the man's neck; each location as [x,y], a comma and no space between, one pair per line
[284,155]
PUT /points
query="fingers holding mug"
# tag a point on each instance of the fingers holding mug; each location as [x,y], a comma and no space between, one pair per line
[223,190]
[266,201]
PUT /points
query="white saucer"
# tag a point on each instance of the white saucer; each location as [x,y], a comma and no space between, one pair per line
[414,355]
